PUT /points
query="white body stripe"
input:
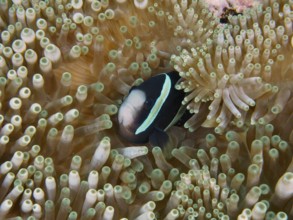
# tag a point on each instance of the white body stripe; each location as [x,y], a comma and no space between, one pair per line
[157,106]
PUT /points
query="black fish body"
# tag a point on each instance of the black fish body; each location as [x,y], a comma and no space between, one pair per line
[150,108]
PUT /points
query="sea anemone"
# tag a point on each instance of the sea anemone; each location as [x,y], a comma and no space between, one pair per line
[65,67]
[240,71]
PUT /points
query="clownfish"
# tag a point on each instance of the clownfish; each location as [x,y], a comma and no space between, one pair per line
[150,109]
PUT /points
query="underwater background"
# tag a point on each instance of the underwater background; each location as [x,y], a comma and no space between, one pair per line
[65,67]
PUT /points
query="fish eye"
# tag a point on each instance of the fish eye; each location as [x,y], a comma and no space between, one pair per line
[148,104]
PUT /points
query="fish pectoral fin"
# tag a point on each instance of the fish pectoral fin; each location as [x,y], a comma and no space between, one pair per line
[177,117]
[158,138]
[184,117]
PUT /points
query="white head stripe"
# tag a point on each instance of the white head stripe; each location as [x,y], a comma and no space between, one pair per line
[157,106]
[130,107]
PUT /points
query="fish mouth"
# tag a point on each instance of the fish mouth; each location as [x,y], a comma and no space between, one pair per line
[126,115]
[127,133]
